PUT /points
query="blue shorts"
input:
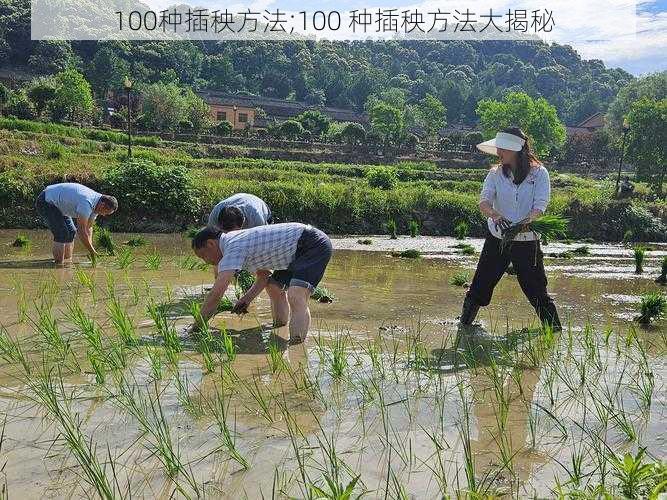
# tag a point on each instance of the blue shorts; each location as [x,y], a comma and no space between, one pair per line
[61,226]
[313,252]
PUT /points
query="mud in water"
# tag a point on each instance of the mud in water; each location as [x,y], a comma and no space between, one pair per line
[386,387]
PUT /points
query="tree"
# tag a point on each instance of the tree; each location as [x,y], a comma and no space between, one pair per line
[647,145]
[4,96]
[51,56]
[353,134]
[162,106]
[431,115]
[387,121]
[316,122]
[536,117]
[107,71]
[42,91]
[19,105]
[652,86]
[73,98]
[224,128]
[197,112]
[290,129]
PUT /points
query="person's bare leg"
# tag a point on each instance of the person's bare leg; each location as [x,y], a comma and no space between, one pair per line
[299,321]
[279,304]
[59,250]
[69,251]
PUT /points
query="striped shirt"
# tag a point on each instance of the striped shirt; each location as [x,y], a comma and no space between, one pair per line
[261,247]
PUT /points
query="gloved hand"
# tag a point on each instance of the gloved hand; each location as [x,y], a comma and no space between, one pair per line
[502,224]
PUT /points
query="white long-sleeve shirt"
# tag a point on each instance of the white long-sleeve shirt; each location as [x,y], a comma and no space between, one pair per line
[516,202]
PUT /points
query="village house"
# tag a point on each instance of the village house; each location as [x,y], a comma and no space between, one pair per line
[243,110]
[588,126]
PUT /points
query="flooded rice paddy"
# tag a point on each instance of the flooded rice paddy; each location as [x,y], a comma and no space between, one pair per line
[387,397]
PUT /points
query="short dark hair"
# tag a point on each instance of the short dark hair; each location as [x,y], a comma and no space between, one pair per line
[109,202]
[203,235]
[231,218]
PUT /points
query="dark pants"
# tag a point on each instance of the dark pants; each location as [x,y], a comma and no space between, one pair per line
[61,226]
[527,259]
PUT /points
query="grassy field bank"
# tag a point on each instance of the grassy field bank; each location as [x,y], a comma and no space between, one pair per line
[169,187]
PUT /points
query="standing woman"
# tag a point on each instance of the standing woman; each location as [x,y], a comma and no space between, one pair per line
[516,191]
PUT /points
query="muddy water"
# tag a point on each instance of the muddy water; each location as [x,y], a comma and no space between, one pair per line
[380,300]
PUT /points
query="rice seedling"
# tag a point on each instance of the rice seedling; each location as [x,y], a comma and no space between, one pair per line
[194,407]
[392,229]
[263,400]
[21,241]
[47,326]
[461,230]
[639,253]
[244,280]
[414,228]
[338,364]
[219,409]
[155,362]
[662,279]
[460,278]
[549,227]
[153,260]
[652,307]
[136,241]
[275,357]
[49,392]
[581,250]
[147,410]
[323,295]
[467,249]
[104,240]
[634,475]
[122,323]
[407,254]
[365,241]
[12,352]
[86,326]
[166,330]
[191,263]
[124,258]
[86,281]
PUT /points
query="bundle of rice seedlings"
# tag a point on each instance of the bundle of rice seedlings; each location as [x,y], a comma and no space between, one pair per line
[104,240]
[323,295]
[392,229]
[652,307]
[365,241]
[460,279]
[407,254]
[582,250]
[548,227]
[21,241]
[639,254]
[414,228]
[137,241]
[461,230]
[244,280]
[662,279]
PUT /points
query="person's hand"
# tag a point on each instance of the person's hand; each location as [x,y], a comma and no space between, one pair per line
[502,224]
[241,307]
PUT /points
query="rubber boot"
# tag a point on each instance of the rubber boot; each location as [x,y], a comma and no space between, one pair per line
[549,316]
[469,311]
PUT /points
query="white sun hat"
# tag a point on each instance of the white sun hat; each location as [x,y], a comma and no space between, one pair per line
[502,140]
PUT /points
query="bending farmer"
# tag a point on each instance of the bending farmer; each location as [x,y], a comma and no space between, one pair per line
[239,211]
[59,204]
[298,254]
[515,192]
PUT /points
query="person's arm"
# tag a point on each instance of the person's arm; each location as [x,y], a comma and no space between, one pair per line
[86,235]
[261,279]
[541,196]
[210,306]
[486,198]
